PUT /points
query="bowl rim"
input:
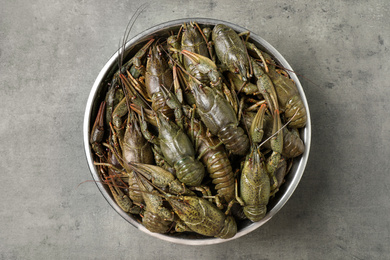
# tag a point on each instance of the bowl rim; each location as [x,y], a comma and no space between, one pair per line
[306,131]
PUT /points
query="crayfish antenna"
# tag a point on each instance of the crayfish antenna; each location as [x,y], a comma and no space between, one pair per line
[129,27]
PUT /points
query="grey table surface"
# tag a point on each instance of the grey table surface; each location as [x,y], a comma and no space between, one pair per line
[50,55]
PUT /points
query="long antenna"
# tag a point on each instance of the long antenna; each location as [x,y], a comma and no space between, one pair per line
[129,26]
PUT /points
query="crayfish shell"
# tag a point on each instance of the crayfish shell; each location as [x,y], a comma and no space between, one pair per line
[295,105]
[190,171]
[229,229]
[235,139]
[155,223]
[203,217]
[255,213]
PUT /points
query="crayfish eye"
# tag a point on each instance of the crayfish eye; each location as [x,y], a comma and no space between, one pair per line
[236,71]
[149,55]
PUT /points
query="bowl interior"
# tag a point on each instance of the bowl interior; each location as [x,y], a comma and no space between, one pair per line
[98,93]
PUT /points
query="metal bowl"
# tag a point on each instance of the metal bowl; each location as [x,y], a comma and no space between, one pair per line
[99,90]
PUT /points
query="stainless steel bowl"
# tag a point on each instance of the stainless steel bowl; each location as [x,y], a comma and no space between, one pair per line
[98,92]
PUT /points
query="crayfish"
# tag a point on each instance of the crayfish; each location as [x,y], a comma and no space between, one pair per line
[194,125]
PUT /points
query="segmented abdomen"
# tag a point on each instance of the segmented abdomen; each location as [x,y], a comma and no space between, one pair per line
[235,139]
[293,105]
[255,213]
[220,170]
[214,158]
[293,145]
[155,223]
[289,99]
[189,171]
[229,229]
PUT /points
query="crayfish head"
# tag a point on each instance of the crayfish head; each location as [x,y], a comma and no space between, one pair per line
[190,34]
[156,63]
[165,127]
[204,96]
[172,40]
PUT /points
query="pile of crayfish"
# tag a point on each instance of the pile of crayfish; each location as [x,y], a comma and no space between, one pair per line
[197,131]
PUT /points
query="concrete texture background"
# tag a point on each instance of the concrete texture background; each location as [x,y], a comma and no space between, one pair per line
[50,54]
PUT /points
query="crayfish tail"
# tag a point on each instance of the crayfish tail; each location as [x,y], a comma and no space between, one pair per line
[190,171]
[235,139]
[255,213]
[296,112]
[229,229]
[155,223]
